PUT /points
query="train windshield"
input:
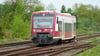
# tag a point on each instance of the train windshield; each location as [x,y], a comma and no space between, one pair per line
[43,20]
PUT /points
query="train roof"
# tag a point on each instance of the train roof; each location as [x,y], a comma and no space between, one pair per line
[58,14]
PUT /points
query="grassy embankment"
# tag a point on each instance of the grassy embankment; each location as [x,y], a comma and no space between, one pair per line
[5,41]
[95,51]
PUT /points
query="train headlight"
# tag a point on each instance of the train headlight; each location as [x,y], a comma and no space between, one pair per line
[51,30]
[34,30]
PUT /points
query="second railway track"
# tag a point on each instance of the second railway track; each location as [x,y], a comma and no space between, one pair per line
[47,50]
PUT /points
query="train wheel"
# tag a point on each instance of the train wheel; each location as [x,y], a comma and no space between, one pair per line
[58,41]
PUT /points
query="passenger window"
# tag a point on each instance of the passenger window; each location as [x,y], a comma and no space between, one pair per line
[59,25]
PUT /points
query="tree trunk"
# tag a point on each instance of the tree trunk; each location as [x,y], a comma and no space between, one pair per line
[99,28]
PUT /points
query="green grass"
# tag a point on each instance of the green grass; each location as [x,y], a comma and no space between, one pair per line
[5,41]
[95,51]
[81,31]
[91,52]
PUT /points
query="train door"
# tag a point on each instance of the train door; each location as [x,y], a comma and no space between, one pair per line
[60,27]
[63,29]
[68,25]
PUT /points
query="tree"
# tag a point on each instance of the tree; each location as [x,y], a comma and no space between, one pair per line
[5,16]
[38,8]
[97,18]
[63,9]
[4,9]
[89,13]
[69,10]
[15,17]
[19,28]
[30,4]
[30,7]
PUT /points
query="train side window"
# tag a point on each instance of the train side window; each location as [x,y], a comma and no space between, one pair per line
[68,27]
[74,26]
[57,20]
[59,25]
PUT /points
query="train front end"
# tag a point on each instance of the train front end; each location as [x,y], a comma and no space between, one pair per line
[42,27]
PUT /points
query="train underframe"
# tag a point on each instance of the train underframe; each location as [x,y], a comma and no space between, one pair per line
[46,38]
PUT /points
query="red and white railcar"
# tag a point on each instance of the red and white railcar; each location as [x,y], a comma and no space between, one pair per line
[49,27]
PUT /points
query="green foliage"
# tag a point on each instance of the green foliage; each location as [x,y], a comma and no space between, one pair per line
[38,8]
[84,22]
[19,28]
[1,32]
[69,10]
[15,20]
[3,10]
[87,18]
[4,25]
[84,11]
[19,10]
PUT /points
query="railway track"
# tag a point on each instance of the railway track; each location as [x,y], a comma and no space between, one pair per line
[50,50]
[28,41]
[17,45]
[13,44]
